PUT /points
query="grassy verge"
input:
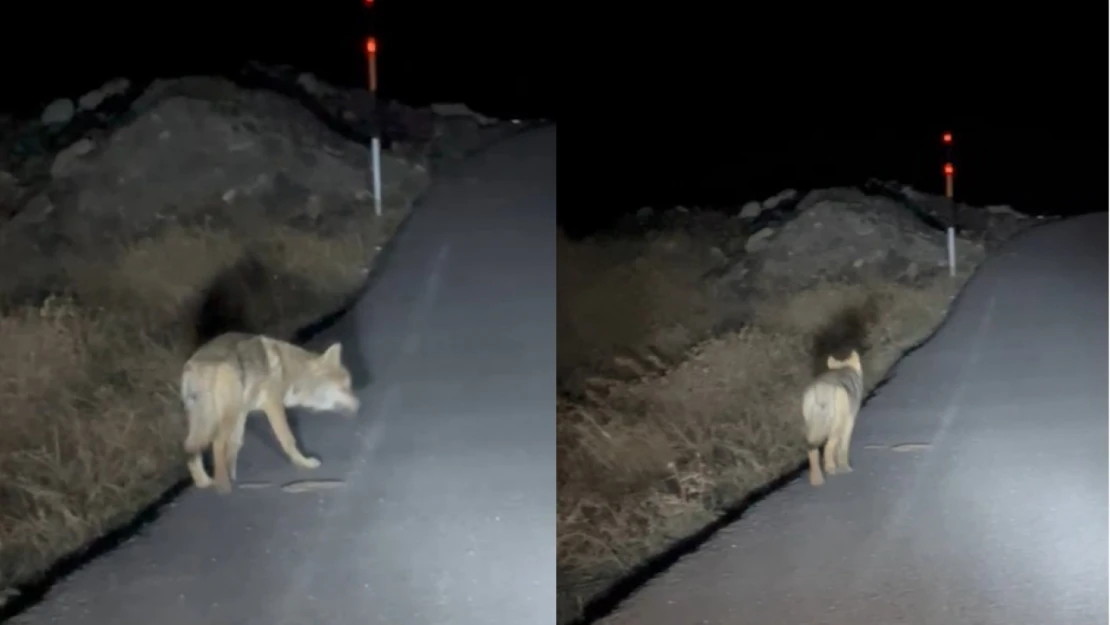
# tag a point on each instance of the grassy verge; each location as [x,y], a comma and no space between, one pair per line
[677,402]
[94,339]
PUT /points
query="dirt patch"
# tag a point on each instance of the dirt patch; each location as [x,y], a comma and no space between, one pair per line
[682,352]
[108,249]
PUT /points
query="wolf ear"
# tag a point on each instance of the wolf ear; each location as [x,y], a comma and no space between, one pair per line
[333,355]
[832,363]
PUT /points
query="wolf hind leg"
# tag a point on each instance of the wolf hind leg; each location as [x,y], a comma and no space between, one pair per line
[815,477]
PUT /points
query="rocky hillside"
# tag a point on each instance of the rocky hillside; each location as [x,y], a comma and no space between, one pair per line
[725,263]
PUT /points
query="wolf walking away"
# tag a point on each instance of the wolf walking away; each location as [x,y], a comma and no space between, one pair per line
[830,404]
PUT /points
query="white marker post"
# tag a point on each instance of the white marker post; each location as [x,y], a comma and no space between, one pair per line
[375,142]
[949,173]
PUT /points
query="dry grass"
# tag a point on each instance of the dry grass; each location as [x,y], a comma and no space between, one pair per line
[90,422]
[647,461]
[631,299]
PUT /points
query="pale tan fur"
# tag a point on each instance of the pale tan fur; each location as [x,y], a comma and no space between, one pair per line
[830,405]
[235,374]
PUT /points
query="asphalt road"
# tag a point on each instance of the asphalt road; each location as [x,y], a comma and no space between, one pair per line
[979,494]
[445,509]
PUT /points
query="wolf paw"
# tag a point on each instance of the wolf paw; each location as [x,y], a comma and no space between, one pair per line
[308,463]
[223,487]
[205,483]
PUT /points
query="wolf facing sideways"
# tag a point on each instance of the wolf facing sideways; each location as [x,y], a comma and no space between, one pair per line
[830,404]
[235,374]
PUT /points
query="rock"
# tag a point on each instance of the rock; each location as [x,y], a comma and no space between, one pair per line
[759,240]
[842,231]
[41,149]
[309,83]
[458,109]
[780,197]
[93,99]
[66,159]
[58,113]
[10,192]
[1002,209]
[644,213]
[197,147]
[751,210]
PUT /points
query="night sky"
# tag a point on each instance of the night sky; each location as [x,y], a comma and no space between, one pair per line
[429,51]
[671,107]
[745,105]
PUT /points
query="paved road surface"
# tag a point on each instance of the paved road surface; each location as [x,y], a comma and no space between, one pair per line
[448,510]
[1000,518]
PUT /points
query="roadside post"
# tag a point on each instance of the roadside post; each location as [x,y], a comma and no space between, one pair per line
[375,141]
[949,174]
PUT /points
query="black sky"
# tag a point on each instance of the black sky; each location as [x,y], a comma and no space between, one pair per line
[669,104]
[743,105]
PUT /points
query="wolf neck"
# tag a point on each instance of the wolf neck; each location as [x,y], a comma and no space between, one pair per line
[294,359]
[850,368]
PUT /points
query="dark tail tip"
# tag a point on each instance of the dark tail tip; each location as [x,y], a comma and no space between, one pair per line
[845,331]
[225,304]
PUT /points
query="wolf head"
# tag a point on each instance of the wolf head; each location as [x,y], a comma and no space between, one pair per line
[851,362]
[325,384]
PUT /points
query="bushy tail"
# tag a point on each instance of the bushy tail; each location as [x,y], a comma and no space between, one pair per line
[845,331]
[251,296]
[230,302]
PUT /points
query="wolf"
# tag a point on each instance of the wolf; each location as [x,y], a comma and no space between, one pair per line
[829,405]
[236,373]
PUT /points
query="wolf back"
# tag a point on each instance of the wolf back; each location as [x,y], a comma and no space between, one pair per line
[821,399]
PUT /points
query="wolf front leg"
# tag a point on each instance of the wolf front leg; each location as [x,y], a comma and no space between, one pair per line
[279,423]
[219,462]
[815,476]
[234,445]
[844,437]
